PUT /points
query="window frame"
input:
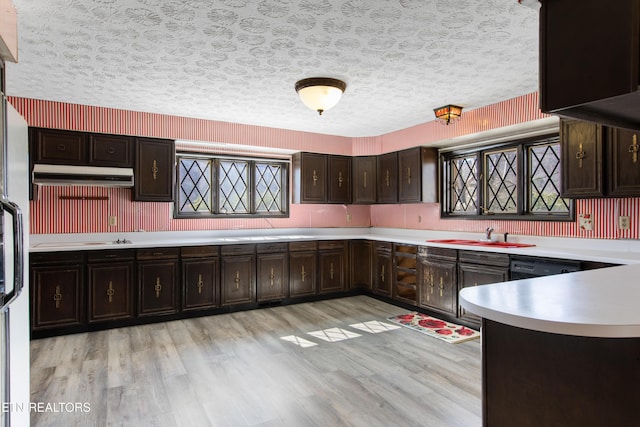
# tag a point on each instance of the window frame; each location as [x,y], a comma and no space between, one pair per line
[523,182]
[215,211]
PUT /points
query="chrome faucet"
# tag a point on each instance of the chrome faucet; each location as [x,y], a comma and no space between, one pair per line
[489,230]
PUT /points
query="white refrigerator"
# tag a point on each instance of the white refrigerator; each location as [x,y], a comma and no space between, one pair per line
[14,289]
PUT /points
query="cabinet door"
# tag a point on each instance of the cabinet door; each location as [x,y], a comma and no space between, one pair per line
[364,179]
[200,283]
[157,287]
[418,175]
[332,271]
[387,188]
[581,145]
[154,171]
[383,273]
[590,69]
[409,176]
[60,147]
[110,291]
[238,280]
[624,159]
[360,264]
[273,276]
[302,273]
[111,150]
[339,179]
[438,285]
[309,178]
[474,275]
[57,296]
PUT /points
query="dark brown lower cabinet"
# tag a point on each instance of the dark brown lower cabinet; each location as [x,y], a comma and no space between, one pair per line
[272,272]
[200,268]
[110,276]
[238,268]
[302,268]
[480,268]
[57,290]
[332,256]
[157,281]
[438,279]
[360,264]
[383,268]
[533,379]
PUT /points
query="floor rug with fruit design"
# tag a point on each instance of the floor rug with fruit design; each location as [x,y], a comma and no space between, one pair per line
[449,332]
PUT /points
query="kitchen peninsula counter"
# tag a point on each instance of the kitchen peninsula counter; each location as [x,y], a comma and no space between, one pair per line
[560,350]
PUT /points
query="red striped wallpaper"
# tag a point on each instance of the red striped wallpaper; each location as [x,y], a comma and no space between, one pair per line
[50,214]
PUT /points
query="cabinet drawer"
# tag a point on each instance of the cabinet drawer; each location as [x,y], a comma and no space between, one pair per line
[53,146]
[56,257]
[199,251]
[303,246]
[111,150]
[331,244]
[263,248]
[442,253]
[110,255]
[237,249]
[383,246]
[158,253]
[485,258]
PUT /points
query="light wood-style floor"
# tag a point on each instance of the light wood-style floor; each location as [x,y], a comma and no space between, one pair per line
[237,370]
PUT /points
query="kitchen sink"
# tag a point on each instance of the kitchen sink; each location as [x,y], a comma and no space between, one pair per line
[482,243]
[66,244]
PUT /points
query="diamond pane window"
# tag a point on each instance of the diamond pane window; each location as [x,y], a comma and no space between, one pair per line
[512,180]
[233,187]
[194,193]
[211,185]
[464,184]
[268,188]
[501,183]
[544,176]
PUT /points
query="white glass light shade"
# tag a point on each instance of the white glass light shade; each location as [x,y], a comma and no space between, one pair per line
[320,93]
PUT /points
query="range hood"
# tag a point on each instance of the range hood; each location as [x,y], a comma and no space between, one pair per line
[96,176]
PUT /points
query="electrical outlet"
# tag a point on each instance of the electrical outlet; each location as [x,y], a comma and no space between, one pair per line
[348,217]
[623,222]
[419,218]
[113,221]
[585,221]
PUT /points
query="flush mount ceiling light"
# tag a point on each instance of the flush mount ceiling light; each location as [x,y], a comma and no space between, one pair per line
[320,93]
[448,113]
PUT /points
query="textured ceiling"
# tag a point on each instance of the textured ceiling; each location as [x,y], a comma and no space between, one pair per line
[238,60]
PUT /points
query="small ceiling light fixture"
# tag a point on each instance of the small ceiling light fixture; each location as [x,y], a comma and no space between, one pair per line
[448,113]
[320,93]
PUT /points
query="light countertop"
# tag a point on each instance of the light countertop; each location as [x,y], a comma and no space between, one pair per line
[595,303]
[612,251]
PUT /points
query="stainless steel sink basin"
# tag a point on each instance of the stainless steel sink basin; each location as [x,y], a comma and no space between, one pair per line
[66,244]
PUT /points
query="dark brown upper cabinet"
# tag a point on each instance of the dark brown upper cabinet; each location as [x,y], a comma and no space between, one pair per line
[364,179]
[581,149]
[58,147]
[154,172]
[624,161]
[309,178]
[587,74]
[387,188]
[111,150]
[418,175]
[339,179]
[64,147]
